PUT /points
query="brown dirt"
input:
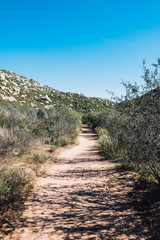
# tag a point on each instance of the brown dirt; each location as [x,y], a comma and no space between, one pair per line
[80,196]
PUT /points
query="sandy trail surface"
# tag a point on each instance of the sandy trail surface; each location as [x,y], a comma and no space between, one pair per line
[80,196]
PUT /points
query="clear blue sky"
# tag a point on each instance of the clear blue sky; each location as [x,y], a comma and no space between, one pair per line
[83,46]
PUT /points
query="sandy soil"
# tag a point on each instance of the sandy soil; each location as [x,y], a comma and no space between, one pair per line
[80,196]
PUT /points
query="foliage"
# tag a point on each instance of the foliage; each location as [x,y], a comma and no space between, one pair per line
[31,113]
[107,145]
[41,157]
[52,148]
[134,124]
[27,92]
[20,127]
[13,185]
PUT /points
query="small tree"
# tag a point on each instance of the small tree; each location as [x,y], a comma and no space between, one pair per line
[141,105]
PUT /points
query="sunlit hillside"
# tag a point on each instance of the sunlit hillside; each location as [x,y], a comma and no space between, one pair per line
[25,91]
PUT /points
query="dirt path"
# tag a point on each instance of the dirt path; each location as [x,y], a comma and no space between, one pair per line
[81,196]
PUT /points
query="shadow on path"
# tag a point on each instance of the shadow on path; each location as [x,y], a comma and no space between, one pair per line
[81,197]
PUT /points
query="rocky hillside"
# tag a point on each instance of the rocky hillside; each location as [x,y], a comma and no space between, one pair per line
[24,91]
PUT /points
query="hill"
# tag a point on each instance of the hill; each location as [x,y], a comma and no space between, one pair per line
[24,91]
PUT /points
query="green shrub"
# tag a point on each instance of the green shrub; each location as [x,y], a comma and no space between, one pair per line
[101,131]
[108,147]
[61,141]
[13,140]
[13,185]
[133,125]
[62,122]
[53,148]
[41,157]
[19,127]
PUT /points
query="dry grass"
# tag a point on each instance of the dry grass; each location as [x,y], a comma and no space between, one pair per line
[18,175]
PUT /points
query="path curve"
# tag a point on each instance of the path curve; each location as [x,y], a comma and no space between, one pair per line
[80,196]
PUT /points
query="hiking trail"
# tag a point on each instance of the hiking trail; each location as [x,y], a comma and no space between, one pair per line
[80,195]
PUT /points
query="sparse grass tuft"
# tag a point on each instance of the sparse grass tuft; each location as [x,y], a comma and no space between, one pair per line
[52,148]
[41,157]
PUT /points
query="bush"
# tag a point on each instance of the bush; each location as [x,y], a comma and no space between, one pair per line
[15,129]
[53,148]
[63,122]
[19,127]
[101,131]
[107,146]
[133,125]
[13,140]
[41,157]
[14,184]
[142,126]
[61,141]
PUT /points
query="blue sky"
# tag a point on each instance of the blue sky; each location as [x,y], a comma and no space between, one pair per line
[83,46]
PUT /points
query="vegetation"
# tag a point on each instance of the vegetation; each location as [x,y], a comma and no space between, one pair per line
[27,92]
[31,113]
[41,157]
[21,128]
[130,131]
[14,184]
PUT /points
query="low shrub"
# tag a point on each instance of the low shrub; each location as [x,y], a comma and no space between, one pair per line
[19,127]
[14,184]
[13,140]
[61,141]
[40,157]
[52,148]
[107,146]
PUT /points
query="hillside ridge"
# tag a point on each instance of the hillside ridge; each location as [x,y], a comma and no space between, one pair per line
[25,91]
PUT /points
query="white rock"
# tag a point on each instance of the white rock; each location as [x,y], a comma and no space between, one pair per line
[3,75]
